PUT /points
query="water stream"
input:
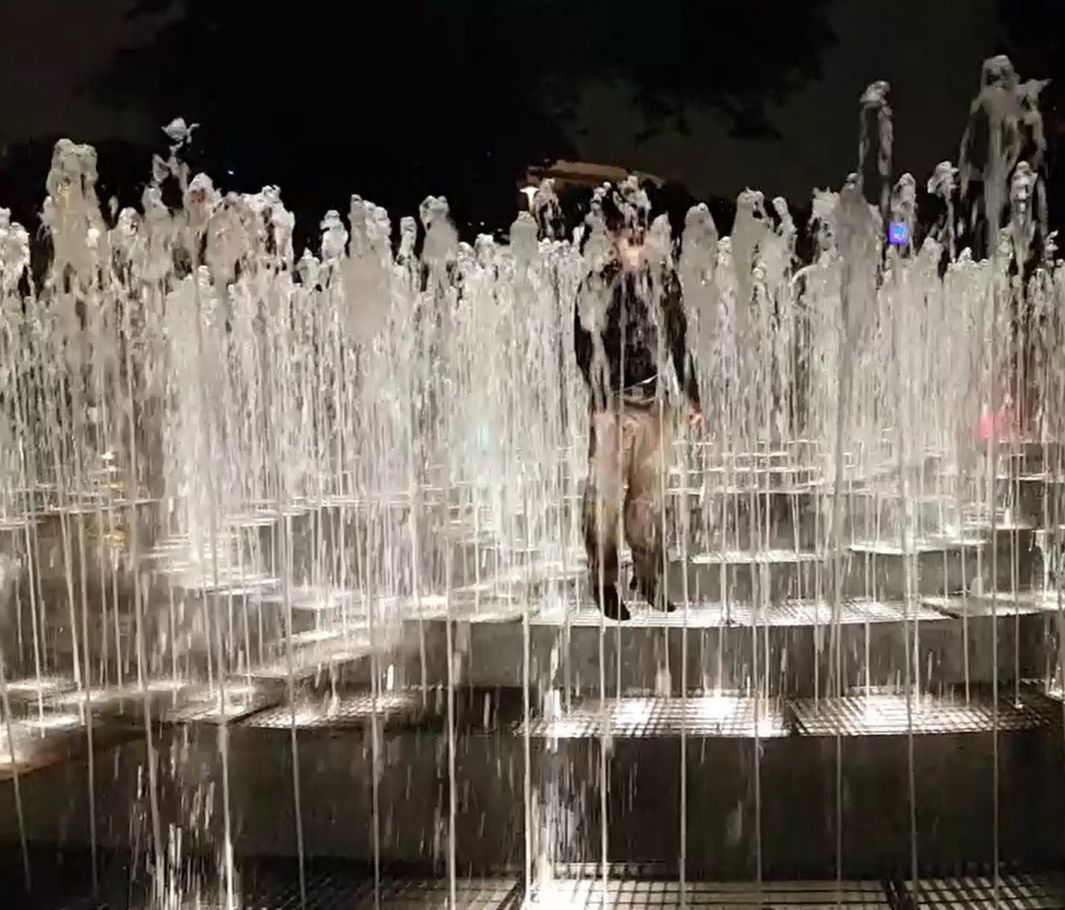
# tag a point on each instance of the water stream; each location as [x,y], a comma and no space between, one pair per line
[222,464]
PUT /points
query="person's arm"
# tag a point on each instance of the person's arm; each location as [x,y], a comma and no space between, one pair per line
[677,339]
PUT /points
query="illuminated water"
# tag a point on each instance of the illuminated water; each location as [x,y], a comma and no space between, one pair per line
[223,463]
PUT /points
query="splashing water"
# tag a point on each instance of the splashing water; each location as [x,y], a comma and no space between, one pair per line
[222,465]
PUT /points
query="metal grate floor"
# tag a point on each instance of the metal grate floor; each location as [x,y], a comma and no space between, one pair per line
[724,715]
[343,891]
[921,547]
[752,557]
[1005,603]
[883,714]
[705,715]
[1015,892]
[743,613]
[333,892]
[342,712]
[588,893]
[205,705]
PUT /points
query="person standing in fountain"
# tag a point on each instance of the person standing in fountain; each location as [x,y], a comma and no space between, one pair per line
[623,303]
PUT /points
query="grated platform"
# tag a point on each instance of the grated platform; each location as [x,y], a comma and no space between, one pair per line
[713,614]
[587,893]
[53,737]
[344,712]
[1014,892]
[339,891]
[878,713]
[205,705]
[883,714]
[1004,603]
[708,715]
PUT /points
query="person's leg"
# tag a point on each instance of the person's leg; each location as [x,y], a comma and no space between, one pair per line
[602,498]
[644,509]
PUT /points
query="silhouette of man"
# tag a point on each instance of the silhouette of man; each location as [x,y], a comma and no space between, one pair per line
[638,296]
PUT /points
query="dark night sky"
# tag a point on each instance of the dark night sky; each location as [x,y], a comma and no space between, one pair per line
[922,48]
[49,49]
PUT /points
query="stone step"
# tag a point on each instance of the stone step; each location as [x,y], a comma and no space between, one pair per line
[36,737]
[1035,498]
[720,743]
[651,742]
[711,646]
[743,518]
[756,477]
[1030,456]
[709,517]
[477,560]
[782,520]
[870,569]
[328,656]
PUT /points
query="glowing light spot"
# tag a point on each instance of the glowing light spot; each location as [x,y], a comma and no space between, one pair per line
[898,233]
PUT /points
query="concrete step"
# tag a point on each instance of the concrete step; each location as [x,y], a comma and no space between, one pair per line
[785,517]
[37,737]
[651,742]
[713,646]
[870,569]
[1035,498]
[803,516]
[1030,456]
[709,516]
[719,743]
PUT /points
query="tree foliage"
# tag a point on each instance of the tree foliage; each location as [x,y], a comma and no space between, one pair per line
[397,100]
[1033,36]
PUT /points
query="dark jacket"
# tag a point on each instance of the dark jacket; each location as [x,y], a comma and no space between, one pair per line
[630,337]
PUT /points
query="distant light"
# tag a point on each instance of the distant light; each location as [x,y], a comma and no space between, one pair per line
[230,172]
[898,233]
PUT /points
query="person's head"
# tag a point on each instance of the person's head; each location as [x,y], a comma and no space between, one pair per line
[626,222]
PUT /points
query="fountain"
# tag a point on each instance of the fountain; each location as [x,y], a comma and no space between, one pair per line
[291,567]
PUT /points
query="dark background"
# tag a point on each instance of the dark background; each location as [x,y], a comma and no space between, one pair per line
[398,100]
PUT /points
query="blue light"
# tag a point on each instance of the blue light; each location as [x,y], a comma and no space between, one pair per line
[898,233]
